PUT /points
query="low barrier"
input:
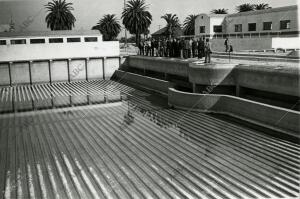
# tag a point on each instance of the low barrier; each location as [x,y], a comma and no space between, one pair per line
[278,80]
[157,85]
[171,66]
[279,119]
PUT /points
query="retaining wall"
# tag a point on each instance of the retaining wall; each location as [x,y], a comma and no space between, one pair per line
[262,43]
[275,79]
[272,117]
[143,81]
[169,66]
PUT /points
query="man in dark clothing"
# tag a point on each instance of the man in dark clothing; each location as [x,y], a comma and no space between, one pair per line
[226,45]
[155,48]
[186,49]
[174,48]
[200,48]
[164,45]
[168,48]
[181,47]
[207,51]
[152,47]
[141,47]
[194,47]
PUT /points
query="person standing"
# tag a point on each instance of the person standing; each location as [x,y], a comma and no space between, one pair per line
[181,47]
[152,47]
[164,44]
[155,53]
[141,47]
[190,48]
[226,44]
[159,48]
[186,49]
[148,47]
[174,48]
[200,48]
[207,51]
[194,47]
[168,47]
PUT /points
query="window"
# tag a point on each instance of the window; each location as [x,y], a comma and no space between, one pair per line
[217,28]
[238,28]
[56,40]
[37,41]
[251,26]
[70,40]
[285,24]
[267,26]
[18,41]
[2,42]
[202,29]
[90,39]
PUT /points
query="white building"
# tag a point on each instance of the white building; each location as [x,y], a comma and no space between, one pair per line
[31,57]
[260,29]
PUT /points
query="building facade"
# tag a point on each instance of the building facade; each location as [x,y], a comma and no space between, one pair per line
[270,28]
[33,57]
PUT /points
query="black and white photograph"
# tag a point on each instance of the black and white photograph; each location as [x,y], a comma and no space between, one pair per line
[149,99]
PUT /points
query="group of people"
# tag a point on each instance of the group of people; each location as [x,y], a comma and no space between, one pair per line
[177,48]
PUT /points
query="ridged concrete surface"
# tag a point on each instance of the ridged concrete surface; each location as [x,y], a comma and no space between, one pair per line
[139,148]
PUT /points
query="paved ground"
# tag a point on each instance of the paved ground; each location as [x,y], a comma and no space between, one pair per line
[139,148]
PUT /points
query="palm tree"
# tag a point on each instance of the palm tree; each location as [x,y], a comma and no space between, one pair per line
[189,25]
[245,7]
[220,11]
[136,18]
[172,23]
[262,6]
[109,27]
[60,16]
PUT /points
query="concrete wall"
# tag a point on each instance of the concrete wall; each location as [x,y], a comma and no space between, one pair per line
[218,74]
[265,78]
[4,74]
[290,42]
[174,67]
[143,81]
[48,51]
[242,44]
[59,70]
[282,81]
[40,72]
[262,114]
[77,70]
[111,65]
[256,43]
[95,69]
[20,73]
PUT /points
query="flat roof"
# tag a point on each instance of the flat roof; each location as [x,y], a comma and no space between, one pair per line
[61,33]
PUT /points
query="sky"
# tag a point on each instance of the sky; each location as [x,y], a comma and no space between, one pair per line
[89,12]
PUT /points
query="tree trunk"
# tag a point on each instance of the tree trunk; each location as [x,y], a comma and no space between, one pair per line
[137,39]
